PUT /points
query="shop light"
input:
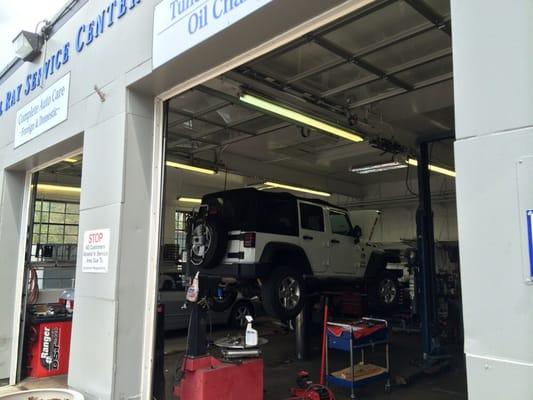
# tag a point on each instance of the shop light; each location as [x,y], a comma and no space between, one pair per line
[433,168]
[190,168]
[27,45]
[70,160]
[370,169]
[57,188]
[190,200]
[299,117]
[274,185]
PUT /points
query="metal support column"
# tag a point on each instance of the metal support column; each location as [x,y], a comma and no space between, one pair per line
[426,251]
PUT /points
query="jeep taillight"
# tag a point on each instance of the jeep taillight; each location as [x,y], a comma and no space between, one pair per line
[249,239]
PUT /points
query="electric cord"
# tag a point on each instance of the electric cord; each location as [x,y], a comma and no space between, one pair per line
[33,287]
[407,181]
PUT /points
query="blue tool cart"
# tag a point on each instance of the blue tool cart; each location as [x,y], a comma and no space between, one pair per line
[356,337]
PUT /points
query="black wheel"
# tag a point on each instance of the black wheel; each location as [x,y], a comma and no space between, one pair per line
[210,241]
[222,303]
[283,292]
[385,293]
[239,312]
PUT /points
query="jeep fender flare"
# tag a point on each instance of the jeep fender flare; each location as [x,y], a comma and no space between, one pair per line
[275,251]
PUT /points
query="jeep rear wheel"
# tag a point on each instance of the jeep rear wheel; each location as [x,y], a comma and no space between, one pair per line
[283,293]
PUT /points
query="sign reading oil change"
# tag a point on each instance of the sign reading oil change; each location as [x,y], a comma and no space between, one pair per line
[95,252]
[181,24]
[43,113]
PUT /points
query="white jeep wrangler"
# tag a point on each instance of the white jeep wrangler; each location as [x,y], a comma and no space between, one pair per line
[285,246]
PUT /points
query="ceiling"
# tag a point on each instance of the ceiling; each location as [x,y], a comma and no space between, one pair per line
[383,72]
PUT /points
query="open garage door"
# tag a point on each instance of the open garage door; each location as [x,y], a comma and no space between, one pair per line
[283,150]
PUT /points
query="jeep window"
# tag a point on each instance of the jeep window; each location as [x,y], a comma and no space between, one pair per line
[280,216]
[340,224]
[312,217]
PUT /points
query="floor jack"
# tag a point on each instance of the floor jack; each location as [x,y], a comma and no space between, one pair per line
[204,377]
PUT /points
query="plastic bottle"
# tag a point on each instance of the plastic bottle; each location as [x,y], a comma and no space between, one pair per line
[251,334]
[193,290]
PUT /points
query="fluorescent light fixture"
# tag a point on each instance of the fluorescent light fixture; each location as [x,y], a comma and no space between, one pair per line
[190,168]
[433,168]
[27,45]
[70,160]
[57,188]
[296,189]
[299,117]
[369,169]
[190,200]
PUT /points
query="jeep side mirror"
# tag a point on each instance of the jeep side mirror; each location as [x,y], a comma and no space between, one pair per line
[356,233]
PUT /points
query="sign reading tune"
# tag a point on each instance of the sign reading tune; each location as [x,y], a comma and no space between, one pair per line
[181,24]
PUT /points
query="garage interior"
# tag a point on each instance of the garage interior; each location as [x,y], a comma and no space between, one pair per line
[380,82]
[50,274]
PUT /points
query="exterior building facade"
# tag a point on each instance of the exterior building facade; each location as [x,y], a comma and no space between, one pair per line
[115,62]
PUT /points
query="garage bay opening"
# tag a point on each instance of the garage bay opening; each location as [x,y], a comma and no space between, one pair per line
[49,274]
[316,185]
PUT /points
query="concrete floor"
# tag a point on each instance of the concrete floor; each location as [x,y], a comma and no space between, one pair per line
[281,367]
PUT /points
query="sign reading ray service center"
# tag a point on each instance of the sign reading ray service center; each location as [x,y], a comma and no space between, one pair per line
[43,113]
[181,24]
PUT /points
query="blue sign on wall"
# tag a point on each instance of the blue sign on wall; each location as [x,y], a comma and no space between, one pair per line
[530,241]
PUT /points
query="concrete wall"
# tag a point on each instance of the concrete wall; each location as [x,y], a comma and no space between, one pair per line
[492,45]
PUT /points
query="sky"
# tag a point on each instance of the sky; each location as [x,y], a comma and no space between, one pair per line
[18,15]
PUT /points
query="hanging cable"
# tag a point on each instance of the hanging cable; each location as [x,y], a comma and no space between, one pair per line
[407,181]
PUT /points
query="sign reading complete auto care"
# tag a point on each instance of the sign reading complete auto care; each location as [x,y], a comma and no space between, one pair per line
[182,24]
[44,112]
[95,252]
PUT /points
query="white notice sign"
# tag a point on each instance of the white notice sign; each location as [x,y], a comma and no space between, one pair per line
[182,24]
[95,256]
[44,112]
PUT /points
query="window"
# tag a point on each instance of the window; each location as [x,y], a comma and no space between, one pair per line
[55,222]
[280,216]
[181,229]
[340,223]
[312,217]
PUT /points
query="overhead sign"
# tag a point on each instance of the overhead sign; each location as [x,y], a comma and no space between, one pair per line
[86,34]
[182,24]
[44,112]
[95,252]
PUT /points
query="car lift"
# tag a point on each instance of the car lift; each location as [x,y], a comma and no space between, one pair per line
[434,359]
[204,377]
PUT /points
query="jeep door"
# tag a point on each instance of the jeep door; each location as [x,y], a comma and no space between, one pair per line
[313,237]
[345,253]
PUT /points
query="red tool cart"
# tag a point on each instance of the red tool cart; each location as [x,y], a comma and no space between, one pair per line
[48,340]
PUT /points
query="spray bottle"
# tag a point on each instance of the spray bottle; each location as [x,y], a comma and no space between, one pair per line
[251,334]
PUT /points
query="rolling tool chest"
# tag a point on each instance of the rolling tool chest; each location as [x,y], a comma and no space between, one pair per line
[358,337]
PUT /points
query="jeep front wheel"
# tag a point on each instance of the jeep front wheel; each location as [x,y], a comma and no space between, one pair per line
[283,293]
[385,294]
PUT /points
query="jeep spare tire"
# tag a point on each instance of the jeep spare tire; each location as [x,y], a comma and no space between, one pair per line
[209,243]
[283,293]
